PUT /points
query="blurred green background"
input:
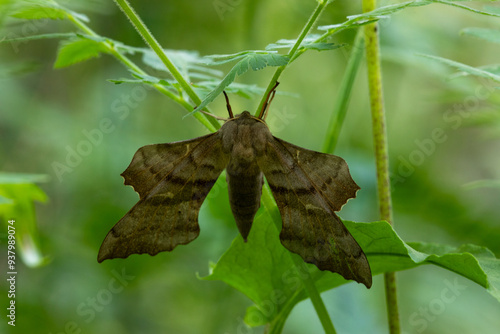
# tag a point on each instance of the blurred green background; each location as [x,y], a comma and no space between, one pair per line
[46,113]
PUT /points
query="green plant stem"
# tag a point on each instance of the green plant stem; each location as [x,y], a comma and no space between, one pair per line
[343,97]
[211,123]
[307,281]
[153,43]
[316,300]
[267,198]
[293,51]
[381,152]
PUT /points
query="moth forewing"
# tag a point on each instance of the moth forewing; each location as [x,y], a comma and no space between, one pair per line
[172,181]
[308,188]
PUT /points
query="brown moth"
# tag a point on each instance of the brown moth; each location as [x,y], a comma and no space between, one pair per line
[173,180]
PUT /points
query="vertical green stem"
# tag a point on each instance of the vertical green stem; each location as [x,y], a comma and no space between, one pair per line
[343,97]
[292,53]
[307,281]
[210,123]
[381,152]
[153,43]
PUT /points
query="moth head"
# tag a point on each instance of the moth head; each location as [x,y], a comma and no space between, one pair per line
[263,111]
[246,115]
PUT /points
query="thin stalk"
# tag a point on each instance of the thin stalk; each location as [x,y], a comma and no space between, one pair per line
[267,198]
[153,43]
[343,97]
[293,51]
[307,281]
[208,122]
[381,152]
[316,300]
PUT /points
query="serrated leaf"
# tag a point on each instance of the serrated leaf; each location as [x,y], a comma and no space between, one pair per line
[490,35]
[464,68]
[482,184]
[263,269]
[12,178]
[453,4]
[321,46]
[39,12]
[36,37]
[145,79]
[77,50]
[244,90]
[187,62]
[255,61]
[309,42]
[45,10]
[220,59]
[355,21]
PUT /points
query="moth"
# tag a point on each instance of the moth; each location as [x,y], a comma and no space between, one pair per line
[173,180]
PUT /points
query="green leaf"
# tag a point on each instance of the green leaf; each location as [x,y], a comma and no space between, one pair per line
[146,79]
[226,58]
[309,42]
[11,178]
[21,193]
[77,50]
[41,36]
[464,68]
[39,12]
[243,90]
[263,269]
[355,21]
[490,35]
[255,60]
[453,4]
[482,184]
[189,63]
[36,10]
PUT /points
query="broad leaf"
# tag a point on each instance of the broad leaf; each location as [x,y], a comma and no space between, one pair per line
[263,269]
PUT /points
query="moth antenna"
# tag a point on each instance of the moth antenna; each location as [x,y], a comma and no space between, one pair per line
[269,99]
[214,116]
[228,105]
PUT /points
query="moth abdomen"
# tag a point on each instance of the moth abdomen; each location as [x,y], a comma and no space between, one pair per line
[244,190]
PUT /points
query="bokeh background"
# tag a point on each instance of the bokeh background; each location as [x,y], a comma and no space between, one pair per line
[46,113]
